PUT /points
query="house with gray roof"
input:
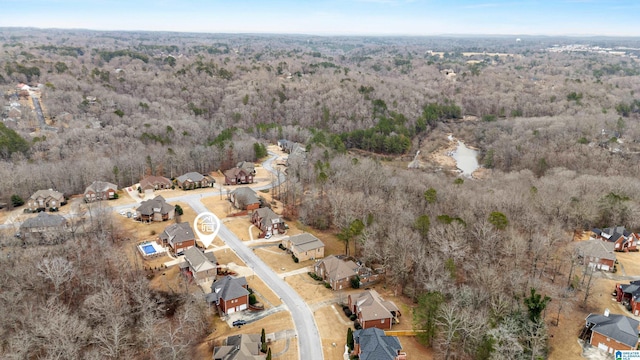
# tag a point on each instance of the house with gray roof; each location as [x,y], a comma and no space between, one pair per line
[611,332]
[42,227]
[45,200]
[100,190]
[373,344]
[245,198]
[622,239]
[179,237]
[194,180]
[153,183]
[199,265]
[240,347]
[597,254]
[268,221]
[304,246]
[249,166]
[229,294]
[156,209]
[337,272]
[236,176]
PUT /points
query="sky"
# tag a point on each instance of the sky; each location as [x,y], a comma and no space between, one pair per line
[333,17]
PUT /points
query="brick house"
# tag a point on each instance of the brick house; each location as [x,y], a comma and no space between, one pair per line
[155,183]
[622,239]
[156,209]
[304,246]
[100,190]
[629,296]
[611,332]
[43,227]
[178,237]
[45,200]
[248,166]
[598,255]
[244,198]
[268,221]
[229,294]
[373,311]
[236,176]
[373,344]
[201,266]
[194,180]
[337,272]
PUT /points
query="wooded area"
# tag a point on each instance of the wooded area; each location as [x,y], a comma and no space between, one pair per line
[559,132]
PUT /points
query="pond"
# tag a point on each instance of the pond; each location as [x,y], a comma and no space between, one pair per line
[466,159]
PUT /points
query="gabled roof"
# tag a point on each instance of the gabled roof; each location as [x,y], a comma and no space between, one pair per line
[596,249]
[228,288]
[176,233]
[305,242]
[148,207]
[234,172]
[152,180]
[618,327]
[245,196]
[373,307]
[268,217]
[48,193]
[375,345]
[338,269]
[239,347]
[247,165]
[198,260]
[44,219]
[193,176]
[100,187]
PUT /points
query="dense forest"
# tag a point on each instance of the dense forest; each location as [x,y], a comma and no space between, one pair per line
[557,131]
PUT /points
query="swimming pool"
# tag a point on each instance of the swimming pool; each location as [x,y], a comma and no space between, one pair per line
[148,249]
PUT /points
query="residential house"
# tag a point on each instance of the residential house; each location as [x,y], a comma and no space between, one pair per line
[249,166]
[240,347]
[245,198]
[194,180]
[152,182]
[373,344]
[156,209]
[229,294]
[42,226]
[622,239]
[178,236]
[611,332]
[597,254]
[373,311]
[304,246]
[48,200]
[199,265]
[236,176]
[100,190]
[629,296]
[268,221]
[337,272]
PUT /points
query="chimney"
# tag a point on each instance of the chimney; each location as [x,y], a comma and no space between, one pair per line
[606,312]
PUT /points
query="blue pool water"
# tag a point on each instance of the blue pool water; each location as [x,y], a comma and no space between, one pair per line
[148,249]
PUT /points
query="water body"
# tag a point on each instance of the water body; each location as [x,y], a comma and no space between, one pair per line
[466,159]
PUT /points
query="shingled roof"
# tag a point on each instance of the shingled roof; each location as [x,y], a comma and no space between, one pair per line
[239,347]
[305,242]
[176,233]
[227,288]
[596,249]
[198,260]
[100,187]
[148,207]
[373,307]
[337,269]
[375,345]
[44,220]
[618,327]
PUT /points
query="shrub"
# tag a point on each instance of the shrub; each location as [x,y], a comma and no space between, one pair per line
[327,285]
[353,317]
[16,200]
[252,299]
[179,210]
[348,312]
[295,259]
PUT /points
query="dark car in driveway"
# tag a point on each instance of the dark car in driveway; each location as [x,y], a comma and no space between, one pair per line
[239,323]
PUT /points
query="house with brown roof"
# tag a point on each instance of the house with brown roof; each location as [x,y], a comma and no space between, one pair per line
[45,200]
[245,198]
[178,237]
[304,246]
[152,182]
[597,254]
[268,221]
[100,190]
[337,272]
[373,311]
[249,166]
[229,294]
[236,176]
[199,265]
[240,347]
[156,209]
[194,180]
[373,344]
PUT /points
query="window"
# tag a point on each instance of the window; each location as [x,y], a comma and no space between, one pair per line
[382,321]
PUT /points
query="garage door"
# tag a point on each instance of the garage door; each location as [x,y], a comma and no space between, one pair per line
[605,267]
[602,346]
[243,307]
[231,310]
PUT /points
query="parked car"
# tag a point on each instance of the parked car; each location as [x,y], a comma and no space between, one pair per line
[267,236]
[239,323]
